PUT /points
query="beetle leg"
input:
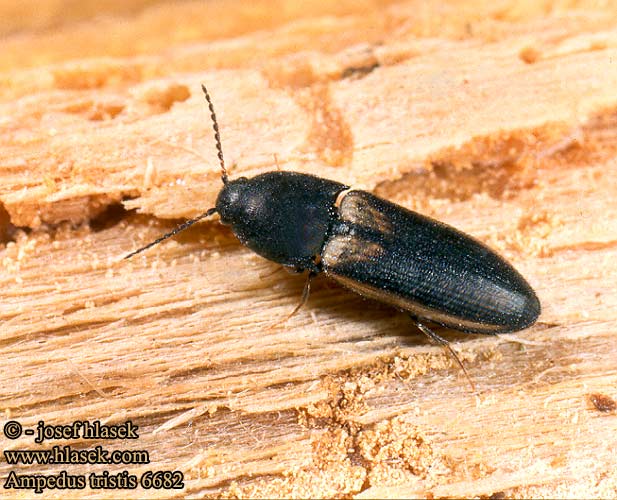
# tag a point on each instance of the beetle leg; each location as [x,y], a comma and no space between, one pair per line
[306,291]
[268,273]
[446,345]
[303,300]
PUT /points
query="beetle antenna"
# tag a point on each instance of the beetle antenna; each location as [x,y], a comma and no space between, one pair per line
[181,227]
[445,344]
[208,213]
[217,137]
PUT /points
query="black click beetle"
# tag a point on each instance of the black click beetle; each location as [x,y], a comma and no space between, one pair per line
[373,247]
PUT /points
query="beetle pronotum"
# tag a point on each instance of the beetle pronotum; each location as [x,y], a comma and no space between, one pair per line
[373,247]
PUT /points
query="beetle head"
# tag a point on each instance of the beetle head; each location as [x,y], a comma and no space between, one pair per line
[231,201]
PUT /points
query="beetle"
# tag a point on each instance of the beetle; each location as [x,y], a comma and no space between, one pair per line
[373,247]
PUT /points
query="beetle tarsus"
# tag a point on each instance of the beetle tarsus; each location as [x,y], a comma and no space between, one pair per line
[306,291]
[446,345]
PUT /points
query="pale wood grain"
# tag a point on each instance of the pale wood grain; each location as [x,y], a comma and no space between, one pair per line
[499,120]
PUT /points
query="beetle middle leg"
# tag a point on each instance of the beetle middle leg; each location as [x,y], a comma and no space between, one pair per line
[306,291]
[445,344]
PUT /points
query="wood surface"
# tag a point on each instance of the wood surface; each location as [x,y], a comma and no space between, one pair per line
[499,118]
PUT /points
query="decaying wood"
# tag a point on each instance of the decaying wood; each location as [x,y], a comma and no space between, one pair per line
[500,120]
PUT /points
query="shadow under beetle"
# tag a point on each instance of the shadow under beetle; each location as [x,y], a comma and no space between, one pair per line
[373,247]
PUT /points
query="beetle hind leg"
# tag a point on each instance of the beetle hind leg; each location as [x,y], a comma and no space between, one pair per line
[445,344]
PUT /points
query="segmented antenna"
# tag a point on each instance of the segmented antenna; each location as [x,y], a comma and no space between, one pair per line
[208,213]
[173,232]
[217,137]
